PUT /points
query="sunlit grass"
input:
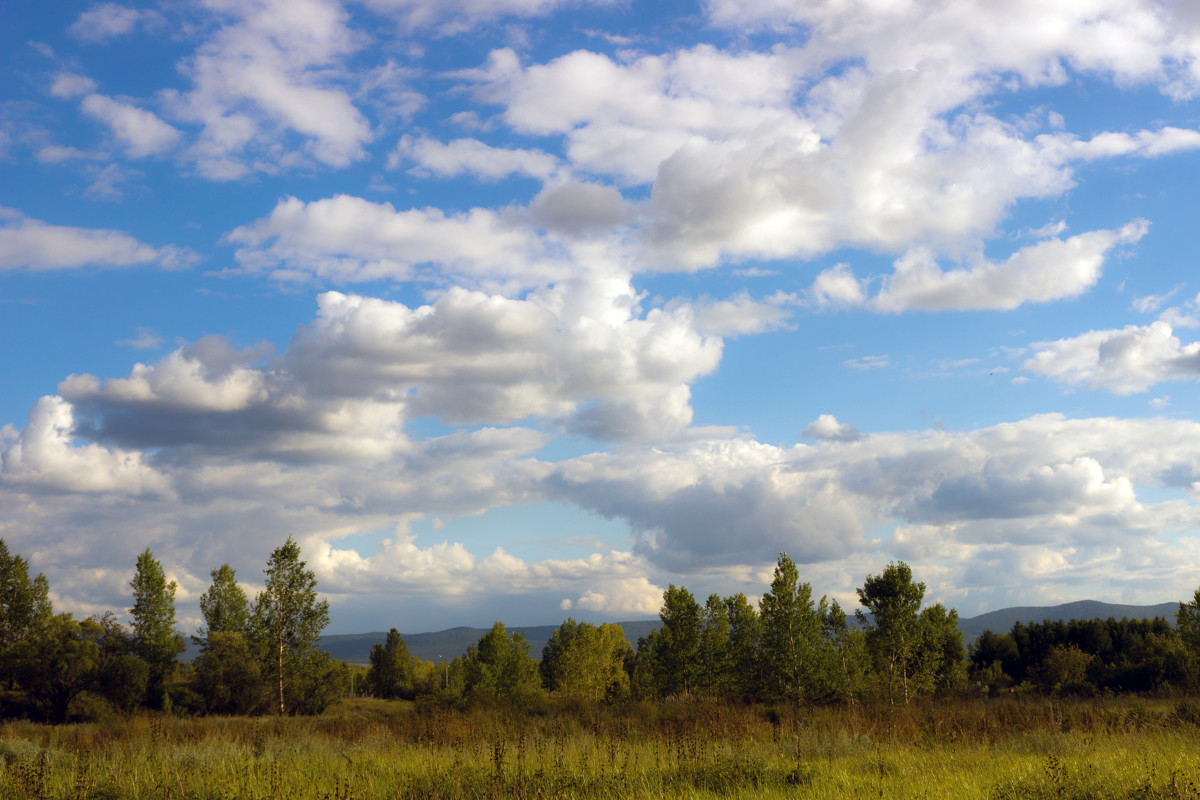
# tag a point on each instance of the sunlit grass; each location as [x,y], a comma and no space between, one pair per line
[373,749]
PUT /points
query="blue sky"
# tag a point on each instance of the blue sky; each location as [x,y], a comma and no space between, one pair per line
[522,309]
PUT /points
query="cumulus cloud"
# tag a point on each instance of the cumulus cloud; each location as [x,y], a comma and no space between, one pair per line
[1051,270]
[451,17]
[1070,486]
[470,157]
[105,21]
[272,69]
[781,155]
[140,131]
[27,243]
[71,84]
[347,238]
[579,209]
[45,456]
[828,428]
[1124,361]
[580,356]
[1132,41]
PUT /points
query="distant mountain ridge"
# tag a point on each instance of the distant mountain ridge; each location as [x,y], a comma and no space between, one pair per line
[1002,620]
[446,645]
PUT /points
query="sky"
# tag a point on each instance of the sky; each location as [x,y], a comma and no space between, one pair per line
[527,309]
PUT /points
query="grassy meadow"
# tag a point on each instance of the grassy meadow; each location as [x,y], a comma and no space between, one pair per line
[1018,748]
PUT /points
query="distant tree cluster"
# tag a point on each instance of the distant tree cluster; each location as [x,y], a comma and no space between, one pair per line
[1088,657]
[261,656]
[792,648]
[255,657]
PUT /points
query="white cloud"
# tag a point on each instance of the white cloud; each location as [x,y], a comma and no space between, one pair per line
[273,69]
[582,356]
[347,238]
[451,17]
[827,427]
[867,362]
[741,314]
[1039,273]
[836,287]
[71,84]
[470,157]
[27,243]
[1124,361]
[103,22]
[45,456]
[141,131]
[1038,40]
[146,339]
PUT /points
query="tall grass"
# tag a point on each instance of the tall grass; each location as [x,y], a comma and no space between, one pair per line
[374,749]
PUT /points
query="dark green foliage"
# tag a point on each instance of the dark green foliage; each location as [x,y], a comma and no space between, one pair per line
[24,610]
[940,664]
[892,601]
[743,648]
[674,648]
[789,630]
[498,670]
[286,621]
[226,677]
[154,638]
[849,666]
[1086,657]
[224,605]
[59,664]
[714,674]
[391,673]
[1187,622]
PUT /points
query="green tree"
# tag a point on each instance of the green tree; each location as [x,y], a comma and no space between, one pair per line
[224,606]
[743,648]
[121,677]
[893,601]
[154,638]
[286,621]
[940,664]
[714,677]
[1187,622]
[227,677]
[499,670]
[847,647]
[59,664]
[790,631]
[391,672]
[24,609]
[675,653]
[585,662]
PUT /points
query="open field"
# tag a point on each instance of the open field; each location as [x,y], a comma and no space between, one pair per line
[374,749]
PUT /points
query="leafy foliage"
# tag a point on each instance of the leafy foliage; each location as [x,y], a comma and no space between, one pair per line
[585,662]
[155,640]
[391,673]
[286,620]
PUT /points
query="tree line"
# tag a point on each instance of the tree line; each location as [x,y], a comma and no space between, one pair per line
[262,656]
[254,656]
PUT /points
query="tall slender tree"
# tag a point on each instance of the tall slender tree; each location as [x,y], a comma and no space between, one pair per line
[391,672]
[743,661]
[893,601]
[24,609]
[224,606]
[287,620]
[791,631]
[676,652]
[155,640]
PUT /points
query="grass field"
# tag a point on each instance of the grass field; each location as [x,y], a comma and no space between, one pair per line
[365,749]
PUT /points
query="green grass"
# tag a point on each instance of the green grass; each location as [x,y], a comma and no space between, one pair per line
[370,749]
